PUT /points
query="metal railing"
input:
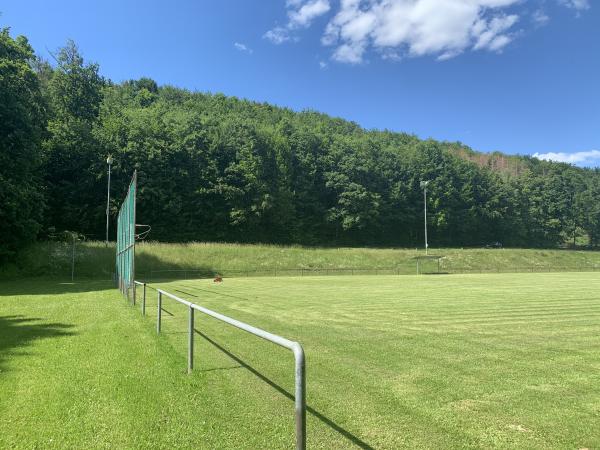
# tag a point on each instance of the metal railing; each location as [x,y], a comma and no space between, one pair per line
[295,347]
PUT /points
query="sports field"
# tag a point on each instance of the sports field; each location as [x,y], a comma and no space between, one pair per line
[460,361]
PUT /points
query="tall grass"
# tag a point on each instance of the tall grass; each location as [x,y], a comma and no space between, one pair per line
[95,260]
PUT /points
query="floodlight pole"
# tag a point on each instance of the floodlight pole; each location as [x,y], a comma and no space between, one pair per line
[73,256]
[425,201]
[109,161]
[424,186]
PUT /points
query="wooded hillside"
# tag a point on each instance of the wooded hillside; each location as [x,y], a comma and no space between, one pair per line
[217,168]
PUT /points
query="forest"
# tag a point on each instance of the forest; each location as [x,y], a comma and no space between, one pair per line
[217,168]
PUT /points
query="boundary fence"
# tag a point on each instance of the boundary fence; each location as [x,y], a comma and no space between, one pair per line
[295,347]
[174,274]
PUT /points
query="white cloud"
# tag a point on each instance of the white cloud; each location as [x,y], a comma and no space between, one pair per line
[307,12]
[349,53]
[396,29]
[243,48]
[540,17]
[419,27]
[579,5]
[301,14]
[322,64]
[591,157]
[277,35]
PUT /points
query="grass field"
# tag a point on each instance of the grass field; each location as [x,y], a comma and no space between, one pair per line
[95,260]
[461,361]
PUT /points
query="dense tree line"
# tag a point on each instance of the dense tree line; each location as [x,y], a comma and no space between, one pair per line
[212,167]
[22,130]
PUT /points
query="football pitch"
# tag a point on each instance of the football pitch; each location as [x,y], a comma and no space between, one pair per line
[460,361]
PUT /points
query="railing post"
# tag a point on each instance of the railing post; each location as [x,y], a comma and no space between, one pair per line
[134,292]
[144,301]
[300,397]
[159,312]
[191,341]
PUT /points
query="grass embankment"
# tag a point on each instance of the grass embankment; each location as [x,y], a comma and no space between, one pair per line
[465,361]
[95,260]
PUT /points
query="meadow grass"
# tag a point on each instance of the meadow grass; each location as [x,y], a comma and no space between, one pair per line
[95,260]
[461,361]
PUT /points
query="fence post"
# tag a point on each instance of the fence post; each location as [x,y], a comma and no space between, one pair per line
[134,292]
[191,341]
[159,312]
[144,301]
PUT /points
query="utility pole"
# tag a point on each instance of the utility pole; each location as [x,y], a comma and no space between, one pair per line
[109,161]
[424,187]
[72,256]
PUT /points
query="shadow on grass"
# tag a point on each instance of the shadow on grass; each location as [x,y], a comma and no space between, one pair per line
[327,421]
[41,286]
[94,260]
[19,331]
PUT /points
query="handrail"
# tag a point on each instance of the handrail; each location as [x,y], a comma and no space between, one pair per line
[295,347]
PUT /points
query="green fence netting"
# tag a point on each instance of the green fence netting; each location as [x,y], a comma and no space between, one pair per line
[125,264]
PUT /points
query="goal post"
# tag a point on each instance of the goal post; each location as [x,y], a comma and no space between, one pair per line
[125,252]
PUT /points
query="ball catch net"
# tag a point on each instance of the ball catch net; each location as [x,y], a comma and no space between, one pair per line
[125,263]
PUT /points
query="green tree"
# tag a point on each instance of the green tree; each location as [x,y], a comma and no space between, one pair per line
[22,124]
[74,160]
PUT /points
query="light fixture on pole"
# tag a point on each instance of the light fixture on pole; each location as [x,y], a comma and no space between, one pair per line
[109,161]
[424,187]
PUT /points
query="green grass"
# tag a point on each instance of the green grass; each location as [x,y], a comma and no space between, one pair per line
[462,361]
[94,260]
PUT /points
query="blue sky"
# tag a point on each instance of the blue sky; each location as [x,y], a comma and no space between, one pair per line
[519,76]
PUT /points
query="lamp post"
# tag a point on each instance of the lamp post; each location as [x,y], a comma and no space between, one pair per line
[424,187]
[109,161]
